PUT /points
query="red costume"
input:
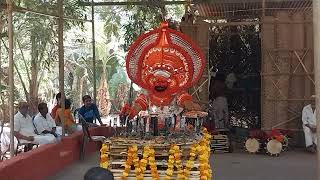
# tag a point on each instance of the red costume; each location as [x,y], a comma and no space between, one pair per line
[165,63]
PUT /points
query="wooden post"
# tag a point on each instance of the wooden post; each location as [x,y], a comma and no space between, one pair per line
[11,86]
[61,61]
[316,41]
[93,55]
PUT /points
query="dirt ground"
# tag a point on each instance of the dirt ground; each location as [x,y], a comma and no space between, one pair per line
[293,165]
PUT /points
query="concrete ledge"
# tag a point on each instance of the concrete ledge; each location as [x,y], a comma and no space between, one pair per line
[49,159]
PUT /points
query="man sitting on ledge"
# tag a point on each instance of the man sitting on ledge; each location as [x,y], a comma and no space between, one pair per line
[44,123]
[24,130]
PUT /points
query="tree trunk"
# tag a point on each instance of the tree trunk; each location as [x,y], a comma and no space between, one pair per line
[33,86]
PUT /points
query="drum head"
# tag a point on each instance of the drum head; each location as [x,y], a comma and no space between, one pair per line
[195,114]
[252,145]
[274,147]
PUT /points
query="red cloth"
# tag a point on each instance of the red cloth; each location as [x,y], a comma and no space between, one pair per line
[125,109]
[54,111]
[184,97]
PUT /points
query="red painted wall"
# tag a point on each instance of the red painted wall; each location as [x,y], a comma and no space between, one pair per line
[49,159]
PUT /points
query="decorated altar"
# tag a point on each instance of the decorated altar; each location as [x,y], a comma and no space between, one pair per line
[158,158]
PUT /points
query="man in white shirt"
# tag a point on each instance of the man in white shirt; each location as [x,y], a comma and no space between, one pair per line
[309,128]
[44,122]
[24,129]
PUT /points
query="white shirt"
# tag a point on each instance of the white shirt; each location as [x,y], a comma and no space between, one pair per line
[23,125]
[308,116]
[42,123]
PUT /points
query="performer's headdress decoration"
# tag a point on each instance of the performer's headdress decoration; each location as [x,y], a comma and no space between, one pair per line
[164,61]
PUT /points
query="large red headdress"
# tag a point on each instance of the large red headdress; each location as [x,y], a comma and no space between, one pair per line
[164,61]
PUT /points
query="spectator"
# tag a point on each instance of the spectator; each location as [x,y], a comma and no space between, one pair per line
[69,122]
[89,111]
[57,106]
[98,173]
[43,121]
[24,129]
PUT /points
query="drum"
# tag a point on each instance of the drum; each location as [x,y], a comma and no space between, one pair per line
[252,145]
[274,147]
[195,114]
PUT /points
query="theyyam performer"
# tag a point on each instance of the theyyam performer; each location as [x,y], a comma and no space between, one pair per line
[165,63]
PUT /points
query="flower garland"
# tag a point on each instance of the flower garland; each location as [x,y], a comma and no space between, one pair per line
[204,156]
[131,157]
[104,151]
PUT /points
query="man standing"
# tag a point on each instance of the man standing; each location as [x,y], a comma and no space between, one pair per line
[44,122]
[220,104]
[309,127]
[89,111]
[24,129]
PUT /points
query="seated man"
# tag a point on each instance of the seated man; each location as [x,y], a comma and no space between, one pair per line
[44,122]
[89,111]
[24,129]
[309,128]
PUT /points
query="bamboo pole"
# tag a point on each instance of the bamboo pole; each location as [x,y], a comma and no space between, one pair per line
[126,3]
[316,41]
[11,86]
[25,10]
[93,55]
[61,61]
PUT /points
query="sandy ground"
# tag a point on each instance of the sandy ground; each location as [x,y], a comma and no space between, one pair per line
[293,165]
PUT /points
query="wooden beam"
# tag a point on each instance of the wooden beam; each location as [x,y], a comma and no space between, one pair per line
[26,10]
[126,3]
[316,46]
[93,55]
[11,76]
[61,61]
[304,99]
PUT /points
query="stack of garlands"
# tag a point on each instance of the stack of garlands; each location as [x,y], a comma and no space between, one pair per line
[104,151]
[140,165]
[202,149]
[204,155]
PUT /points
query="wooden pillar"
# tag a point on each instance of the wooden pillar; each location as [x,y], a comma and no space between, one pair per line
[316,30]
[94,55]
[11,86]
[61,60]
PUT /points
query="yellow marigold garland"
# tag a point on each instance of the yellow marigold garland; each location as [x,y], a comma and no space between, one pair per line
[104,151]
[132,152]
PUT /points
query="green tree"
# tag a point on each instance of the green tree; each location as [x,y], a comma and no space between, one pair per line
[36,43]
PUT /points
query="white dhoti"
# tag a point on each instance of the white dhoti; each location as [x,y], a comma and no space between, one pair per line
[220,112]
[59,129]
[5,140]
[310,137]
[309,118]
[41,139]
